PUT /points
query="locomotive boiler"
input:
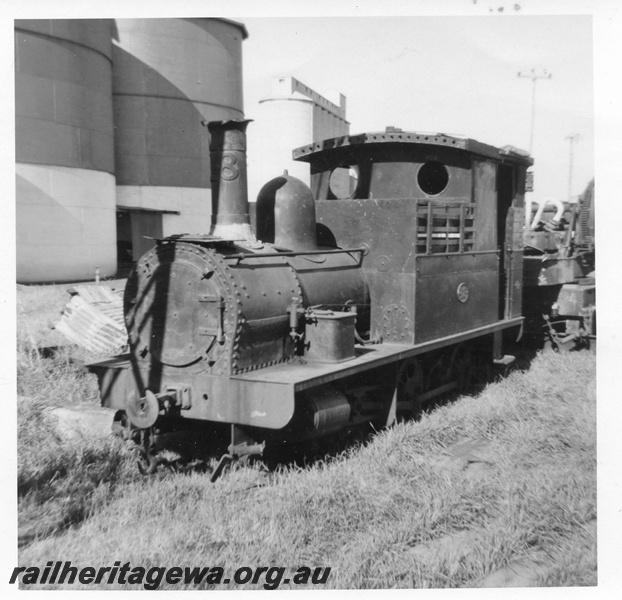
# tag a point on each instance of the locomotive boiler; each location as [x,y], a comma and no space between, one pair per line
[355,301]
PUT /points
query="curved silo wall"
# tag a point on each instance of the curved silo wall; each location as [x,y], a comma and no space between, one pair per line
[169,75]
[64,150]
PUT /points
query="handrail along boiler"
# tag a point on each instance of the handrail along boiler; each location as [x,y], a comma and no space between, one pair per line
[355,301]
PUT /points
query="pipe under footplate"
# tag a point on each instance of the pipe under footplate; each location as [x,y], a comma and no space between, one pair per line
[230,212]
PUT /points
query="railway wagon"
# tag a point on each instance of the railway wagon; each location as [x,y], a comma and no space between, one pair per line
[559,272]
[354,301]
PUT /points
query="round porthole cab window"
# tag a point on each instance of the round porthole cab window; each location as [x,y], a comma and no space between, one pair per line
[343,182]
[432,178]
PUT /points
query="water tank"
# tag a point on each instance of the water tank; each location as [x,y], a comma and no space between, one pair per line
[65,185]
[169,76]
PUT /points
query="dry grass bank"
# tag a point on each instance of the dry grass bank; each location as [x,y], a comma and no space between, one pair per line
[481,483]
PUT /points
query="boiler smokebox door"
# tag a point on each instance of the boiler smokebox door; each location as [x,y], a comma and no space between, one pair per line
[172,319]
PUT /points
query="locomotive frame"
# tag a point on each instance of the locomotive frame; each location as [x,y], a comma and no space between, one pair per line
[356,302]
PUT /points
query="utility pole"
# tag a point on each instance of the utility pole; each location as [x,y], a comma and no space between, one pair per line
[534,76]
[574,137]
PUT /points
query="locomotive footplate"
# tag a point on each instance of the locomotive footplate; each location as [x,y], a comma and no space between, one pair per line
[300,377]
[270,393]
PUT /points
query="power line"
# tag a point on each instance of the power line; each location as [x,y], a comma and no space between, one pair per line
[572,138]
[534,76]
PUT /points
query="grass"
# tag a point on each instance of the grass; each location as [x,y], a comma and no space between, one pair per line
[402,509]
[60,481]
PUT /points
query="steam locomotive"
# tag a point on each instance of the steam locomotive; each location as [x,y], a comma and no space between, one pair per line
[355,301]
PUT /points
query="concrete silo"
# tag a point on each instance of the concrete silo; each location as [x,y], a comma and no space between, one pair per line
[64,150]
[293,115]
[169,75]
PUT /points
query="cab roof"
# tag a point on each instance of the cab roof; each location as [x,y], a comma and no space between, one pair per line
[310,152]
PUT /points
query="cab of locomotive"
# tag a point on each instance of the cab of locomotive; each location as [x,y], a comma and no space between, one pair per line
[390,171]
[442,217]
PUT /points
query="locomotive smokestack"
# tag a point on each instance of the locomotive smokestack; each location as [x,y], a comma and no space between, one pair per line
[230,217]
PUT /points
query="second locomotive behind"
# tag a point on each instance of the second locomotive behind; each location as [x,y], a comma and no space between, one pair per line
[353,303]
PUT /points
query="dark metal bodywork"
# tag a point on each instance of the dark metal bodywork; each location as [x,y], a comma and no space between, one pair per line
[438,264]
[200,314]
[422,254]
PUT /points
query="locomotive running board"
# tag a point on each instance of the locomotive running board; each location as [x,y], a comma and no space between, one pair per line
[311,374]
[265,398]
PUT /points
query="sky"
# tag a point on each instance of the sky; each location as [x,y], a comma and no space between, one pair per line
[447,74]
